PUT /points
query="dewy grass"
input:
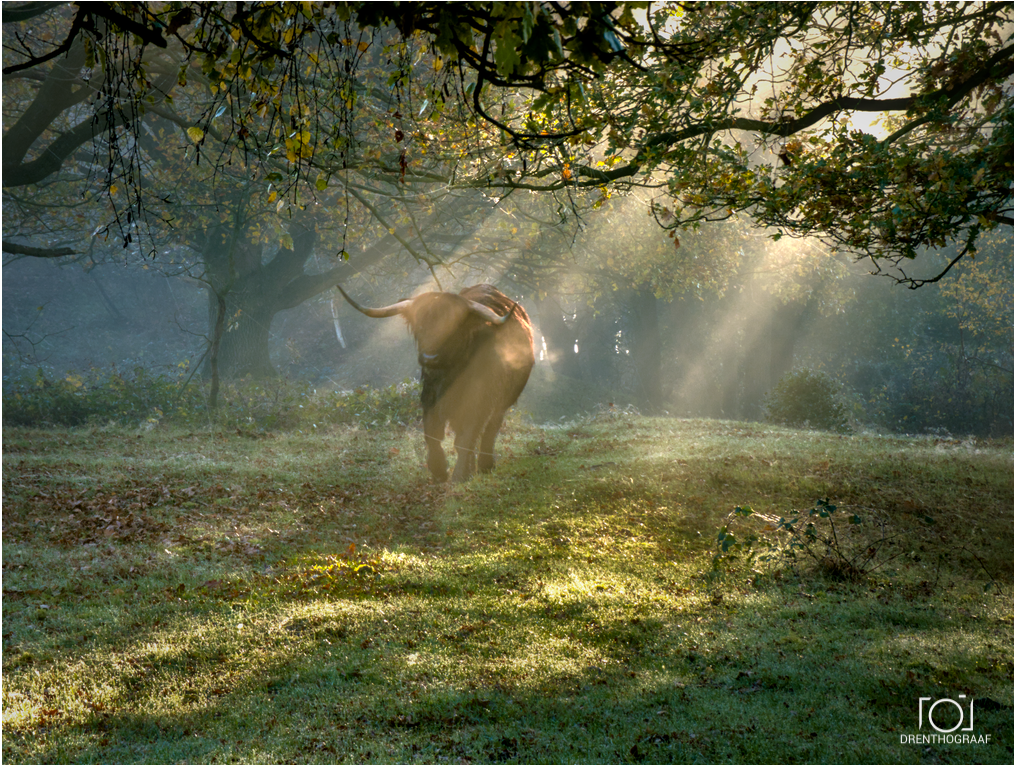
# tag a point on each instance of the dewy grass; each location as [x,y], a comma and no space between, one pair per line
[208,596]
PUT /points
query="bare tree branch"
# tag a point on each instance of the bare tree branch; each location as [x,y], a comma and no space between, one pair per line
[42,253]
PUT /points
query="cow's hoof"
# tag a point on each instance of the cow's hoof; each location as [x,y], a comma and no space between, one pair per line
[460,477]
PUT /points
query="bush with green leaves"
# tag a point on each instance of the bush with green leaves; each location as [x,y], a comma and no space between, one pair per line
[368,407]
[840,543]
[279,403]
[962,397]
[142,397]
[807,398]
[111,395]
[843,544]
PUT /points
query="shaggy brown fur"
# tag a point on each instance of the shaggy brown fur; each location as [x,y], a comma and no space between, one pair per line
[474,364]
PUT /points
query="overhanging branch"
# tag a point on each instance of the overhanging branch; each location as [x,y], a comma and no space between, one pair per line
[41,253]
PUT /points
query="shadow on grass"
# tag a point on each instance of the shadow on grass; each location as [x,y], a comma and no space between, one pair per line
[442,663]
[553,612]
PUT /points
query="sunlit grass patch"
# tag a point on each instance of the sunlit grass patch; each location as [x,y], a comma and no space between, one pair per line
[563,608]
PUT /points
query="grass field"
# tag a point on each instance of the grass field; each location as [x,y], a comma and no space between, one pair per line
[221,596]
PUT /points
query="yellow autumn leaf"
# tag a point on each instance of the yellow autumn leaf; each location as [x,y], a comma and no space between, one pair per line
[195,134]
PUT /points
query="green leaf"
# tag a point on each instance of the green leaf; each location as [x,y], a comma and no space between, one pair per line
[506,55]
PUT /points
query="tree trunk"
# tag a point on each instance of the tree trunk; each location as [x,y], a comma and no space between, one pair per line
[597,347]
[213,358]
[254,291]
[243,345]
[646,349]
[559,338]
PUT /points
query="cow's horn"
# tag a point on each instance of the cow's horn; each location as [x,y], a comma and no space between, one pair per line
[390,311]
[489,314]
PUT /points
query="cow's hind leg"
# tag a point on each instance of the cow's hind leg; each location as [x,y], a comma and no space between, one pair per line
[485,457]
[466,449]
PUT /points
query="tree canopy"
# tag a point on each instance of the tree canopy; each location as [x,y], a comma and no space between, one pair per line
[885,129]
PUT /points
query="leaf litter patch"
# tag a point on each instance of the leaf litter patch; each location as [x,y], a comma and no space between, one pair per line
[69,519]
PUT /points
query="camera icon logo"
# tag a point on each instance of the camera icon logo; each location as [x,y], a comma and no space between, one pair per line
[949,711]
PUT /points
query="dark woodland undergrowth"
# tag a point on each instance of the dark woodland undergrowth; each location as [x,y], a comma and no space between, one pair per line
[214,596]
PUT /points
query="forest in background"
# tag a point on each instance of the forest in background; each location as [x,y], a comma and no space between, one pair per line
[904,361]
[688,198]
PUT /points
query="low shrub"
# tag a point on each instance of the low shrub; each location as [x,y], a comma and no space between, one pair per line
[844,545]
[140,397]
[806,398]
[936,394]
[35,399]
[368,407]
